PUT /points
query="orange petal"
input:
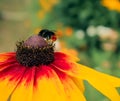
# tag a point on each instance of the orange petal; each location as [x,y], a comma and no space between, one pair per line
[5,56]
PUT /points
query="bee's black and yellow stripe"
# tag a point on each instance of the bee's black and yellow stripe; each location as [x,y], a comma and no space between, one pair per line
[46,33]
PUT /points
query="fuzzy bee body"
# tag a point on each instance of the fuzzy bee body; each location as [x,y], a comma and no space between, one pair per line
[48,35]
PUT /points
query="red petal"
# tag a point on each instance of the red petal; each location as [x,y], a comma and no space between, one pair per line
[64,56]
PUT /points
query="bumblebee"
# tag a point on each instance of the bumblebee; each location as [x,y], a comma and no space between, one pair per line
[48,35]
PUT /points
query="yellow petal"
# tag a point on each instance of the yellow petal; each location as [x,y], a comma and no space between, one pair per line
[6,89]
[79,84]
[24,90]
[96,79]
[72,91]
[47,86]
[102,82]
[87,71]
[9,78]
[75,68]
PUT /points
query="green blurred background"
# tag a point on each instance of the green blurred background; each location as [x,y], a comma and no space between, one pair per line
[89,29]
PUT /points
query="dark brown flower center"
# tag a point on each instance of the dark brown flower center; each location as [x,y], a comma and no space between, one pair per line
[34,51]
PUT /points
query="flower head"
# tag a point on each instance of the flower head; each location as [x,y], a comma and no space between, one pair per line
[36,73]
[34,51]
[112,4]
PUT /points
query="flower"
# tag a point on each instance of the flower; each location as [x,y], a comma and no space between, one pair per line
[41,14]
[68,31]
[36,73]
[46,6]
[111,4]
